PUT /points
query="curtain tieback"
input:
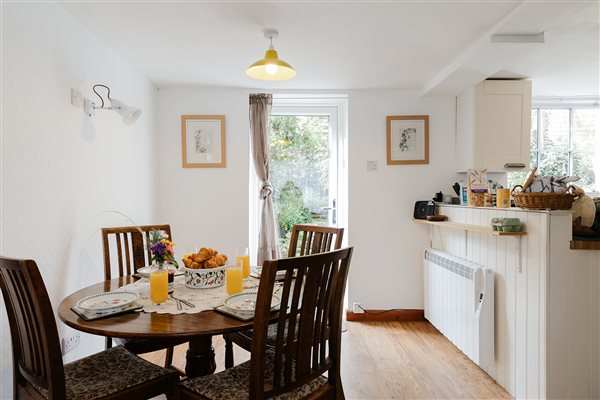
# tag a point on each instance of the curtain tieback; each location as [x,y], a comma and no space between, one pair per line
[266,190]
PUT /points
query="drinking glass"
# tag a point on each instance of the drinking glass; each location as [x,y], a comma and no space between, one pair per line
[243,256]
[233,277]
[159,285]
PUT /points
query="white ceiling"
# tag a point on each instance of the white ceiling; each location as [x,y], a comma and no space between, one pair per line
[437,47]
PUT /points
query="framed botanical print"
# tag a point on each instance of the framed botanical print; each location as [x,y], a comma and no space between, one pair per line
[407,139]
[203,141]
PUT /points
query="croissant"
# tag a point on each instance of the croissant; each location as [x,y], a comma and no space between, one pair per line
[220,259]
[203,255]
[212,263]
[187,262]
[196,265]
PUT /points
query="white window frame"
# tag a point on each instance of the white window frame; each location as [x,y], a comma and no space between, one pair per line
[563,104]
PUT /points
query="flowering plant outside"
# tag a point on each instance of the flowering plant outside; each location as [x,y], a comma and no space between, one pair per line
[161,247]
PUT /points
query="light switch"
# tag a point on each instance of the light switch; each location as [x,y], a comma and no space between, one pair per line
[371,166]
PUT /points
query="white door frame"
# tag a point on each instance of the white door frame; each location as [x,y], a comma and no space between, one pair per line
[329,104]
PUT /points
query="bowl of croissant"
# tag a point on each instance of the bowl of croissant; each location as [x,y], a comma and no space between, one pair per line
[204,269]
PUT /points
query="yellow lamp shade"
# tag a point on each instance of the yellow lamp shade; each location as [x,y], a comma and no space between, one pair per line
[271,68]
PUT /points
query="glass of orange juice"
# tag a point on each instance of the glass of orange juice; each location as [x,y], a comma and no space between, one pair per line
[234,277]
[159,285]
[242,255]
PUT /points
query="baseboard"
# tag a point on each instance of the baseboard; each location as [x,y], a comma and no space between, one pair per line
[387,315]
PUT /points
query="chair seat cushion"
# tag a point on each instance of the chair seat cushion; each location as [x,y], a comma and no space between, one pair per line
[108,372]
[271,334]
[233,383]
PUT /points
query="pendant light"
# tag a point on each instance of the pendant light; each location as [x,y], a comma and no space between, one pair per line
[271,68]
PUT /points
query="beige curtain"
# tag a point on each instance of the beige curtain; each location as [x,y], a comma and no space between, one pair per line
[260,111]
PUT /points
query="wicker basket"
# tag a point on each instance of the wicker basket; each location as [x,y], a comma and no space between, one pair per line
[542,201]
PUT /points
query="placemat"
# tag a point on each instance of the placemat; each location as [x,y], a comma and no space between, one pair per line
[202,299]
[92,315]
[233,313]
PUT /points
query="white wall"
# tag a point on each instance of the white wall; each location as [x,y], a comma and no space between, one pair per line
[211,207]
[205,206]
[386,270]
[60,169]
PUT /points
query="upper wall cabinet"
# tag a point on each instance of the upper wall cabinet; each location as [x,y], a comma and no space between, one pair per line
[494,126]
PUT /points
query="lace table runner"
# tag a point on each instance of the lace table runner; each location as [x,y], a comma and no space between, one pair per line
[203,299]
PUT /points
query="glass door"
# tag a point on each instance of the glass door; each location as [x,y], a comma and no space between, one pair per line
[304,167]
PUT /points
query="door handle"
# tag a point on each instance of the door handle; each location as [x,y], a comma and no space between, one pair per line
[514,165]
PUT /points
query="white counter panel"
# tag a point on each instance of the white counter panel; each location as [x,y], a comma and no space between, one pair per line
[547,316]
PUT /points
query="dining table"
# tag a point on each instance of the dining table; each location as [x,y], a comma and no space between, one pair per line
[198,327]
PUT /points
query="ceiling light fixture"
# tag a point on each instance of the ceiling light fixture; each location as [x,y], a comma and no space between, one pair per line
[129,114]
[271,68]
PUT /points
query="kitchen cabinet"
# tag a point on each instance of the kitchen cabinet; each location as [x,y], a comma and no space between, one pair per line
[494,126]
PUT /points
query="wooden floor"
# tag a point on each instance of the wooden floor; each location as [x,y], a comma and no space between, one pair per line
[393,360]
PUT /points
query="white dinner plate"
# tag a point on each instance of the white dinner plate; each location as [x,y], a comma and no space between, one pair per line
[107,301]
[145,271]
[257,270]
[246,302]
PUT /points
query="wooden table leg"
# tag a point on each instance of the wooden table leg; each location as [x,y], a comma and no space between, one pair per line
[200,357]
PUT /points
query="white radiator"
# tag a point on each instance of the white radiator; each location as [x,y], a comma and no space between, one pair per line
[459,302]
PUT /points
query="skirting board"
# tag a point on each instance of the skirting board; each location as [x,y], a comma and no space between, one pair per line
[387,315]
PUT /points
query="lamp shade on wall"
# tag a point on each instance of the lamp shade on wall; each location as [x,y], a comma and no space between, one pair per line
[128,113]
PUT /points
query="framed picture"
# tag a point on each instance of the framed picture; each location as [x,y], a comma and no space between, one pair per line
[203,141]
[408,139]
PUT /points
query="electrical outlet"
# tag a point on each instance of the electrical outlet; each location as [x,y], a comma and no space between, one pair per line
[68,343]
[356,308]
[77,99]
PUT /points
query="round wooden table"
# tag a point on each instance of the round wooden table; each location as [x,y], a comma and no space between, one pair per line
[199,327]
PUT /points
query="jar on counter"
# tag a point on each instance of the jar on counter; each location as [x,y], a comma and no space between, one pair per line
[487,200]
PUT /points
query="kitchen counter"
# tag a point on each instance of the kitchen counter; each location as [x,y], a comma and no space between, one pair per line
[516,209]
[547,298]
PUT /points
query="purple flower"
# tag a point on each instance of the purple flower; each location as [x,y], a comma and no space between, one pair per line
[159,249]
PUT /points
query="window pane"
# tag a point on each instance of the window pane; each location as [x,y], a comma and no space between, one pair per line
[555,129]
[519,178]
[534,132]
[585,129]
[299,171]
[554,163]
[583,167]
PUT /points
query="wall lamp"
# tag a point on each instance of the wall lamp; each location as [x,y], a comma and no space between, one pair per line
[129,114]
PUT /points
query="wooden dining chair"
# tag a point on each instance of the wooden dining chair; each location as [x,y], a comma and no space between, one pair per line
[38,370]
[126,250]
[308,335]
[305,240]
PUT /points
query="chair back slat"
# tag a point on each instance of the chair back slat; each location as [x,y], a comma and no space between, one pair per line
[126,248]
[119,239]
[308,321]
[36,350]
[313,239]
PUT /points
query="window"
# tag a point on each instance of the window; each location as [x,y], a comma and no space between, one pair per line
[565,141]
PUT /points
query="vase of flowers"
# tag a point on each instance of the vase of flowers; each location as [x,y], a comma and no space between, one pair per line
[161,248]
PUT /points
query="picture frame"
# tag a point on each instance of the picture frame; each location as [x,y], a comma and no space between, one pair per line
[203,143]
[407,139]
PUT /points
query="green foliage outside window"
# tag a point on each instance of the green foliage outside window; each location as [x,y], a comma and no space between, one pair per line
[299,170]
[567,145]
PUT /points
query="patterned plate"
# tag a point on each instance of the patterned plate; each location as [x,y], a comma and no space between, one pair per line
[257,271]
[246,302]
[145,271]
[107,301]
